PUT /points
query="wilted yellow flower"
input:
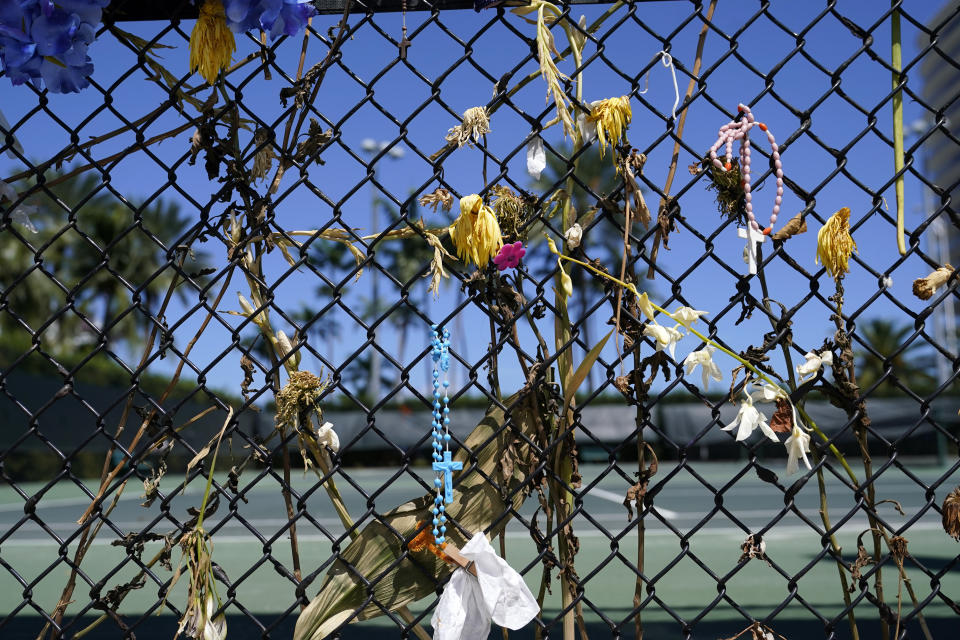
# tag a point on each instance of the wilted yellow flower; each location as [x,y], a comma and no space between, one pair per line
[835,245]
[211,41]
[476,234]
[611,117]
[476,124]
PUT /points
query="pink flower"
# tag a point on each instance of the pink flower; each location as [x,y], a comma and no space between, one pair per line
[509,256]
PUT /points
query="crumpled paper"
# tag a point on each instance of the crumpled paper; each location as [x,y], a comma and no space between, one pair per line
[469,603]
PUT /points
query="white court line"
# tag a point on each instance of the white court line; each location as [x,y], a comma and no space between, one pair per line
[783,532]
[603,494]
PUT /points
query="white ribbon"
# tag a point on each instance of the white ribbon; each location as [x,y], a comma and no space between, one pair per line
[469,603]
[667,61]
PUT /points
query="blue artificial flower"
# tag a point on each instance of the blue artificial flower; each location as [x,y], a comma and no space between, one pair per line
[47,40]
[275,17]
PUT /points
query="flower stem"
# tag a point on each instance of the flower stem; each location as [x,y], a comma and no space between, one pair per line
[897,63]
[760,374]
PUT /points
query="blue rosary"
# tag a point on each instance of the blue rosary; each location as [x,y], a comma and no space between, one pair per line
[443,465]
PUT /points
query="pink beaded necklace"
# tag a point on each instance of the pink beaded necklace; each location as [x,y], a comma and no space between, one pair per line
[739,130]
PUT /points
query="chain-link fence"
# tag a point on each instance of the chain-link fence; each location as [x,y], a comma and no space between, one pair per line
[216,303]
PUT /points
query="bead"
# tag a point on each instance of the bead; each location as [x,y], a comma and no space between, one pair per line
[443,529]
[435,511]
[446,437]
[436,533]
[437,482]
[442,508]
[435,522]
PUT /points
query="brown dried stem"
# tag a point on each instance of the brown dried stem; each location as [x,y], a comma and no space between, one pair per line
[691,86]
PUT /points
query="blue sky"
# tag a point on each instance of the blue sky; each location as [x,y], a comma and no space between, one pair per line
[393,88]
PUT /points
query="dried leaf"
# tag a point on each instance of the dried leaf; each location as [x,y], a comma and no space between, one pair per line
[246,364]
[782,420]
[796,225]
[581,373]
[316,138]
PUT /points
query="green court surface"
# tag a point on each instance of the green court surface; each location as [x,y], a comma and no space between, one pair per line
[679,566]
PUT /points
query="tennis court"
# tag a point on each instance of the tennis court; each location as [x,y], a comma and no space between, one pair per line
[608,541]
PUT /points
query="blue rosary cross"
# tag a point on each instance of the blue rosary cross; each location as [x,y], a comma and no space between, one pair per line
[447,467]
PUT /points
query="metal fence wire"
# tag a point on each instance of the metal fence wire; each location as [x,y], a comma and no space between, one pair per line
[164,438]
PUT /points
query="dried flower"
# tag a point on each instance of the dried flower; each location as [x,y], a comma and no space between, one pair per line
[546,49]
[198,619]
[898,548]
[687,316]
[814,363]
[298,398]
[211,41]
[785,417]
[951,514]
[611,116]
[476,124]
[798,446]
[924,288]
[439,198]
[749,418]
[509,256]
[782,419]
[704,358]
[436,272]
[475,233]
[665,337]
[574,235]
[835,245]
[753,547]
[264,158]
[511,211]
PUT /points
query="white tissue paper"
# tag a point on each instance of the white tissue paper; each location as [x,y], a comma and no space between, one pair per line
[469,603]
[536,158]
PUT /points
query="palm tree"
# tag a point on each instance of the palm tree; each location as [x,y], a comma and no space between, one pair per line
[605,239]
[95,255]
[909,365]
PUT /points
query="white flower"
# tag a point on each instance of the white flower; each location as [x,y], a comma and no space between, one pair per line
[573,235]
[643,301]
[666,337]
[769,393]
[703,357]
[687,316]
[813,364]
[214,629]
[327,437]
[587,127]
[536,158]
[748,419]
[9,132]
[21,214]
[798,446]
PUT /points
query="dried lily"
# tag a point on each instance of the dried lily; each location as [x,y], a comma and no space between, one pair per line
[439,198]
[475,125]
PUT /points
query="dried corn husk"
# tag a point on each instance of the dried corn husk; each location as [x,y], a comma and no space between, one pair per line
[374,553]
